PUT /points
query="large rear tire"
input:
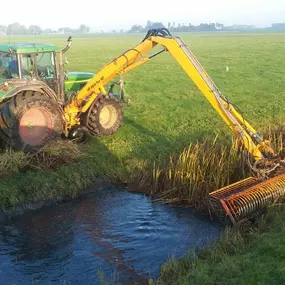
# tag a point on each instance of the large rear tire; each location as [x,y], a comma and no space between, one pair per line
[104,117]
[29,120]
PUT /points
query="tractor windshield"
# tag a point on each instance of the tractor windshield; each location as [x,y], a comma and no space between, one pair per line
[28,66]
[45,65]
[8,65]
[38,65]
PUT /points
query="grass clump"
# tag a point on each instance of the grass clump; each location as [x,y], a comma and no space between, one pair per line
[55,154]
[12,162]
[44,175]
[52,156]
[199,169]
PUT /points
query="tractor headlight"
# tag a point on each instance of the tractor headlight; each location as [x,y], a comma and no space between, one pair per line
[5,86]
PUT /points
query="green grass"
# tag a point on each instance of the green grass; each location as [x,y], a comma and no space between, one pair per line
[245,257]
[18,169]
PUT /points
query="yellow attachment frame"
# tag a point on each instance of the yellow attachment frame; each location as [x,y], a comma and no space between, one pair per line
[136,56]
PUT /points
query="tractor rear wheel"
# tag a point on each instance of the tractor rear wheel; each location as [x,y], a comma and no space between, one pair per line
[29,120]
[104,117]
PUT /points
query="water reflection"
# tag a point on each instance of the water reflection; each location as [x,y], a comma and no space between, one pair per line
[123,235]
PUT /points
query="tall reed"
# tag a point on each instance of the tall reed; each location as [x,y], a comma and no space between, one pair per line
[198,170]
[204,167]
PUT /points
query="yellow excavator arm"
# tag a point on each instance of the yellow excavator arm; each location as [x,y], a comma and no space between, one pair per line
[238,200]
[136,56]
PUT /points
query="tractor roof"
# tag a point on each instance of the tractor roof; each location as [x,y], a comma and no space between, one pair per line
[27,47]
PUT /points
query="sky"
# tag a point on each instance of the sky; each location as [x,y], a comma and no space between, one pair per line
[121,14]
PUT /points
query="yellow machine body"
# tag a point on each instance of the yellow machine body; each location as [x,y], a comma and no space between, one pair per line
[238,200]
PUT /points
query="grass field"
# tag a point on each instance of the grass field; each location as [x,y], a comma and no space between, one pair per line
[167,113]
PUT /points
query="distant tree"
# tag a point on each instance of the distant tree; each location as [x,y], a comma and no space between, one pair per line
[3,29]
[280,26]
[48,31]
[212,27]
[219,26]
[16,29]
[84,29]
[136,29]
[65,30]
[155,25]
[34,30]
[148,25]
[207,27]
[190,28]
[179,27]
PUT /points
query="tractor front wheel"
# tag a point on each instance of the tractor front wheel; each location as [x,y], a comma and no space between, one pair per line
[104,117]
[29,120]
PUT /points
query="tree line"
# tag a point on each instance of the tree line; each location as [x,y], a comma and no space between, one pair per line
[207,27]
[176,27]
[19,29]
[182,27]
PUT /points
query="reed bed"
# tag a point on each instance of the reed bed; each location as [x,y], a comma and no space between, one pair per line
[199,169]
[204,167]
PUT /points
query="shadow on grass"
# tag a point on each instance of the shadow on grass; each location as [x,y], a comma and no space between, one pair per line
[161,147]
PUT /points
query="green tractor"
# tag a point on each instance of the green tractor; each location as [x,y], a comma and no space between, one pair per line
[34,90]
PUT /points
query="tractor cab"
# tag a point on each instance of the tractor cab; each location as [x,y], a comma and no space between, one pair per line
[28,61]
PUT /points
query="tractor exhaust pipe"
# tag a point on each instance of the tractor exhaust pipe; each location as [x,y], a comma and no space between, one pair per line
[61,71]
[69,42]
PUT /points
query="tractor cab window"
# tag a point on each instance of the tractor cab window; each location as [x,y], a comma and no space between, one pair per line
[8,65]
[45,66]
[28,66]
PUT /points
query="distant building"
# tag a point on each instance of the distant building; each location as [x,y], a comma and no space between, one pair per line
[278,26]
[240,27]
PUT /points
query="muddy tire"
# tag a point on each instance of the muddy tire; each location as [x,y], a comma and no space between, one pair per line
[104,117]
[29,120]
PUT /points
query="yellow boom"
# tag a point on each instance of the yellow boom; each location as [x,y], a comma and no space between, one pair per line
[135,57]
[237,200]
